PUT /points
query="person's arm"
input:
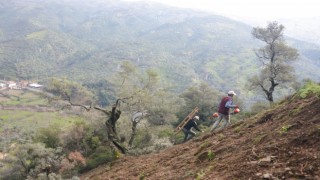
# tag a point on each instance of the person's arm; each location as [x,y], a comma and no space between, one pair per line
[196,126]
[230,105]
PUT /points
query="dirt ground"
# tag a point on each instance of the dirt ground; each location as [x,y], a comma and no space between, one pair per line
[283,143]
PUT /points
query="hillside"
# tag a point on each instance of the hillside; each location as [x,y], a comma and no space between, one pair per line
[87,41]
[281,143]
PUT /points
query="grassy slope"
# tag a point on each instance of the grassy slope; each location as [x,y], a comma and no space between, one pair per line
[31,112]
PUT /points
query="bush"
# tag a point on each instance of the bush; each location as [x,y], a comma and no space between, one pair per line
[69,164]
[74,138]
[49,136]
[308,89]
[93,142]
[29,160]
[101,156]
[165,133]
[142,139]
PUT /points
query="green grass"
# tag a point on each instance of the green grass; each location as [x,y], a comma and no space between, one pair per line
[35,101]
[36,35]
[31,121]
[25,98]
[284,129]
[309,88]
[165,133]
[211,155]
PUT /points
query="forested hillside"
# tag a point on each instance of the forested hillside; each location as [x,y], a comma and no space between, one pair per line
[86,41]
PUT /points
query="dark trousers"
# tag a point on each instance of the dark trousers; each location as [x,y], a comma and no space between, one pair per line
[188,134]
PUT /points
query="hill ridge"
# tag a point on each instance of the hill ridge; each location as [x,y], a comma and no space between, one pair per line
[86,42]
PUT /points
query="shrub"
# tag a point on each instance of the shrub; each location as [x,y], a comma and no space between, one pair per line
[93,142]
[165,133]
[101,156]
[73,160]
[211,155]
[309,88]
[49,136]
[74,138]
[142,139]
[29,160]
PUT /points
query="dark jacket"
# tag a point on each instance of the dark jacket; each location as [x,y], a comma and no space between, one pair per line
[222,107]
[191,124]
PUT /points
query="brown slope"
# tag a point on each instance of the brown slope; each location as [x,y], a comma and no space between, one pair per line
[283,143]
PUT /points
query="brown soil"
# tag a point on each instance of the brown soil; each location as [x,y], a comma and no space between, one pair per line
[283,143]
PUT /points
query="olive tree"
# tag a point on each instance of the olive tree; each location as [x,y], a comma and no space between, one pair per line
[142,88]
[201,96]
[76,95]
[275,58]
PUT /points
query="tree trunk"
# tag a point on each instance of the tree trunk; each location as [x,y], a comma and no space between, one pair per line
[112,117]
[270,97]
[133,133]
[111,130]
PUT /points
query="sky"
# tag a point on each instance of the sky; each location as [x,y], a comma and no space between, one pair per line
[255,9]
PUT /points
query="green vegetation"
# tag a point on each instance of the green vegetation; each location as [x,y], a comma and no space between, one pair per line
[23,120]
[310,88]
[142,175]
[285,129]
[99,157]
[184,52]
[49,136]
[26,157]
[211,155]
[200,175]
[165,133]
[221,137]
[36,35]
[276,58]
[23,98]
[295,111]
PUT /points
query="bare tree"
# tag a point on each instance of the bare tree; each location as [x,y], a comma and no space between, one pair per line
[136,117]
[78,96]
[112,116]
[275,57]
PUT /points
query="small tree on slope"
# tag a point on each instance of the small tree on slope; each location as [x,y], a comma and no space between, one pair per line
[275,57]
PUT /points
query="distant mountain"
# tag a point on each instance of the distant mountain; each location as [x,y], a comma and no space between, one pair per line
[306,29]
[87,40]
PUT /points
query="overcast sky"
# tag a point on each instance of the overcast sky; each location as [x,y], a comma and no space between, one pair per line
[256,9]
